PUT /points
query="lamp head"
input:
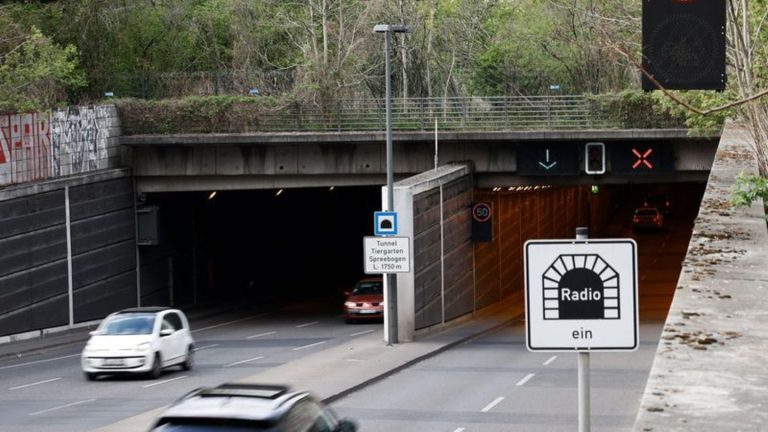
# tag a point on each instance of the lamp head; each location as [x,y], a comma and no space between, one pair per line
[392,28]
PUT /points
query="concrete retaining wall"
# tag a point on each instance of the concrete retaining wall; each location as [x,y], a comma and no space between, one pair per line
[709,372]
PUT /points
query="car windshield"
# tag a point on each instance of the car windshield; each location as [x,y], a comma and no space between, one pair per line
[128,324]
[646,212]
[368,288]
[214,425]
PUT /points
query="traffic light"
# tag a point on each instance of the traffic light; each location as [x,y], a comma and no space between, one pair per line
[594,158]
[684,44]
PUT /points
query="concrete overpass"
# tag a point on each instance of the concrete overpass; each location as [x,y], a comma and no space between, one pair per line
[164,163]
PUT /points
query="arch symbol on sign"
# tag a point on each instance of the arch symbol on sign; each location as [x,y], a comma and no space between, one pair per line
[642,159]
[581,287]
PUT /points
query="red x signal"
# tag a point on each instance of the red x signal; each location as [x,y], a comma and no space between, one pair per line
[642,159]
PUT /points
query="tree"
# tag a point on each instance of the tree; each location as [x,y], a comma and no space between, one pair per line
[37,73]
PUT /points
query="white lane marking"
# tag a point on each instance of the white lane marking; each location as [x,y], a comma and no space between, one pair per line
[165,382]
[34,384]
[225,323]
[525,380]
[307,324]
[61,407]
[38,361]
[308,346]
[551,359]
[361,333]
[459,430]
[206,347]
[492,404]
[261,334]
[244,361]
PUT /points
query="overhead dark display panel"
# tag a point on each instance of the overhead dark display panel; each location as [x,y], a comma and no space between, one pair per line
[684,44]
[548,159]
[641,158]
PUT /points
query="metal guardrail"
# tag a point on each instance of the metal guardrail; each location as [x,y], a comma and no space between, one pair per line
[486,113]
[414,114]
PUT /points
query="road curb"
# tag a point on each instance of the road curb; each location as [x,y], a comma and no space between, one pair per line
[446,347]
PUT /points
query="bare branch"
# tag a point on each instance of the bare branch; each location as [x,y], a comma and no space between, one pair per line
[677,99]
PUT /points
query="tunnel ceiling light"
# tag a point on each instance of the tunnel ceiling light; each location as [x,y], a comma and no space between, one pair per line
[510,188]
[279,191]
[213,194]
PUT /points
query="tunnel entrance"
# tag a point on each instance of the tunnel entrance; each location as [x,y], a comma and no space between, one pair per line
[257,246]
[268,246]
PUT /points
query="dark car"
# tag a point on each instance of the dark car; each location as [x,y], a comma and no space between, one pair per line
[250,407]
[646,218]
[659,201]
[365,301]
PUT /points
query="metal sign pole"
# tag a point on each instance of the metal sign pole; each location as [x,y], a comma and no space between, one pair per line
[391,277]
[582,233]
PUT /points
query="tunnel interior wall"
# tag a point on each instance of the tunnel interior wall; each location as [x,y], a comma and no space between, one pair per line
[544,213]
[34,271]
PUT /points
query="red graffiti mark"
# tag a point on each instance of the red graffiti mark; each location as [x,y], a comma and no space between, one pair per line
[5,141]
[25,146]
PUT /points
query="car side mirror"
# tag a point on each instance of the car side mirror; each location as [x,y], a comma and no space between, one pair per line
[94,332]
[166,332]
[346,425]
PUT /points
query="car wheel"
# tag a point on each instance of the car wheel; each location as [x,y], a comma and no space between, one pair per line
[189,360]
[91,376]
[157,368]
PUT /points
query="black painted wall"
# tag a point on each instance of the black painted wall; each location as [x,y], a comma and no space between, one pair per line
[33,255]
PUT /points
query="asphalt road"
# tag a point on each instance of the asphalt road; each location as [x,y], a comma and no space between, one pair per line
[49,392]
[494,384]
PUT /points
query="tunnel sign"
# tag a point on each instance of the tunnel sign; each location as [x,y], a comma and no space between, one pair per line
[387,255]
[581,295]
[384,223]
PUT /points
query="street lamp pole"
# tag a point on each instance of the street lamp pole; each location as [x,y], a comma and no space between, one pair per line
[391,302]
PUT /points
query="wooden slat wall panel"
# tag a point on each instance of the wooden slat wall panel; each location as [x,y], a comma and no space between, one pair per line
[426,260]
[459,296]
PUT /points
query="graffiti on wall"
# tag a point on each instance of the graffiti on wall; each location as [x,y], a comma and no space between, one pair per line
[25,148]
[39,146]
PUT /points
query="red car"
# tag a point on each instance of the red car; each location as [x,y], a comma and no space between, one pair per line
[647,218]
[365,301]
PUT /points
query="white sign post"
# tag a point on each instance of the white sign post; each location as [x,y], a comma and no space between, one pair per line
[387,255]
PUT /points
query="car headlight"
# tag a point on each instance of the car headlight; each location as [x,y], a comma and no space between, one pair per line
[142,347]
[350,304]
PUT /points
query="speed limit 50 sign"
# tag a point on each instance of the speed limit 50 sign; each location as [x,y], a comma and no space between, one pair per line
[482,222]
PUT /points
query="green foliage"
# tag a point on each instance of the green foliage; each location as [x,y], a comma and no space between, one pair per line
[38,73]
[195,114]
[748,190]
[634,109]
[702,100]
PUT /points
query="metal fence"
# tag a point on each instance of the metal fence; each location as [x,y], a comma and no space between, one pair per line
[413,114]
[418,114]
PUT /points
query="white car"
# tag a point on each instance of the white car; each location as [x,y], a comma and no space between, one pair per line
[139,341]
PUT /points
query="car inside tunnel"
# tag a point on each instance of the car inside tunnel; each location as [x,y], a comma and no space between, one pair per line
[257,246]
